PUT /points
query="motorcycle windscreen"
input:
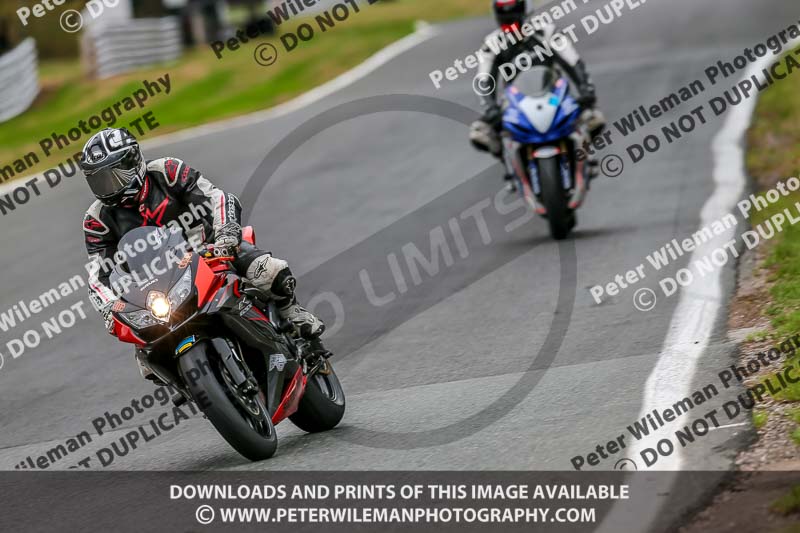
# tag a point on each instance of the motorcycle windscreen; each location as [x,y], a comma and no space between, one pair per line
[536,82]
[151,257]
[545,114]
[533,106]
[540,105]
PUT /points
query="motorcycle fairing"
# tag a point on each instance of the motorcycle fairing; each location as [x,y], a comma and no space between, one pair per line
[540,120]
[218,293]
[291,398]
[240,312]
[144,268]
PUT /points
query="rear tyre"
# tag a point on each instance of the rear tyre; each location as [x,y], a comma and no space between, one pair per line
[250,432]
[322,406]
[559,216]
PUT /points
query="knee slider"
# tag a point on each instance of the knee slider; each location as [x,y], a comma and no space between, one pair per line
[264,269]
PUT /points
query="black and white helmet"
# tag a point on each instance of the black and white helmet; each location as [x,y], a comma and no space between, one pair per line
[114,166]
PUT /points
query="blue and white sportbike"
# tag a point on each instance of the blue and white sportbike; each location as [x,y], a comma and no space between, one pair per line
[542,134]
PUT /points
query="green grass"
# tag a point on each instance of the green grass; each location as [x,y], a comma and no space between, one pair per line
[795,435]
[783,263]
[206,89]
[774,155]
[790,393]
[760,419]
[794,414]
[789,503]
[773,139]
[758,336]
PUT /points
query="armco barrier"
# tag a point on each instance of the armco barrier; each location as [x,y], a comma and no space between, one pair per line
[19,79]
[116,48]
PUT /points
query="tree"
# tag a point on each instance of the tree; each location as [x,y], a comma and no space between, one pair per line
[10,35]
[148,8]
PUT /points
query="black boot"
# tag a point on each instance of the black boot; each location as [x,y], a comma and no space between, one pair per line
[511,184]
[306,324]
[593,168]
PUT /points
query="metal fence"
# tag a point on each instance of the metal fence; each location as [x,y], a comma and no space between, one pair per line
[116,48]
[19,79]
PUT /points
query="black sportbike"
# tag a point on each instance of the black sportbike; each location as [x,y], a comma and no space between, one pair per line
[205,332]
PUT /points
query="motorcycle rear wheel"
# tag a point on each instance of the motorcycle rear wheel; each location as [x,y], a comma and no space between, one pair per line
[252,435]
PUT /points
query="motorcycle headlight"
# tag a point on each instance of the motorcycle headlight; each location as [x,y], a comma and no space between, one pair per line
[158,304]
[140,319]
[182,290]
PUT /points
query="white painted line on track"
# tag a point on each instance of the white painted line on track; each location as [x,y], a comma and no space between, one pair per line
[700,303]
[728,426]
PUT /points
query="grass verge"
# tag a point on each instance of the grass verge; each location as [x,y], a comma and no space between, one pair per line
[788,504]
[206,89]
[773,156]
[759,419]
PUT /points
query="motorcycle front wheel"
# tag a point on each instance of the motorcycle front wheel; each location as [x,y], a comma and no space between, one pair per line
[243,422]
[322,406]
[559,216]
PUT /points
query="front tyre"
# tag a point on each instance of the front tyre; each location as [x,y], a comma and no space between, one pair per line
[243,422]
[559,216]
[322,406]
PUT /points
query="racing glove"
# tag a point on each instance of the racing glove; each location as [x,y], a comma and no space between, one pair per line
[227,239]
[587,98]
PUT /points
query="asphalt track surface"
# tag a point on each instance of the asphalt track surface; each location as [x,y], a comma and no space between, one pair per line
[425,374]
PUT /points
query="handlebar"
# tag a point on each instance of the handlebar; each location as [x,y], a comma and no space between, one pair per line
[207,253]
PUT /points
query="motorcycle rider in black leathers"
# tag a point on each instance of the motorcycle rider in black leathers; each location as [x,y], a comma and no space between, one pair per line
[512,17]
[132,192]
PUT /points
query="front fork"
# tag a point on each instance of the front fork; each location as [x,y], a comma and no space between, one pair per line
[526,175]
